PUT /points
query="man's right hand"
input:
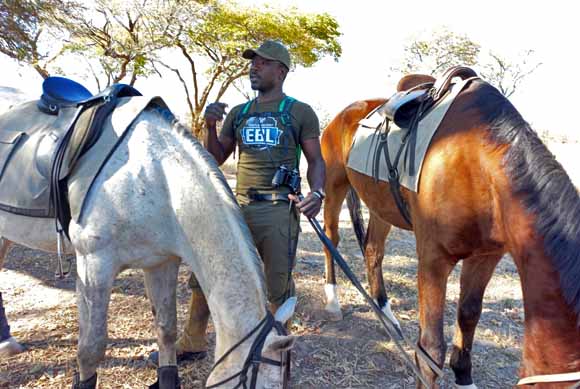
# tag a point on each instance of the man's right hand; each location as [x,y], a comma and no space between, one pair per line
[214,113]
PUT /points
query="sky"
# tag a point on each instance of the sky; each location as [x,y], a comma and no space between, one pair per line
[374,34]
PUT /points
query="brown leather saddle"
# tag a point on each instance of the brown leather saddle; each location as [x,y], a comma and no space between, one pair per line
[40,141]
[410,105]
[406,109]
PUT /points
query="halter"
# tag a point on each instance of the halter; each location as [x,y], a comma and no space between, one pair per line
[255,357]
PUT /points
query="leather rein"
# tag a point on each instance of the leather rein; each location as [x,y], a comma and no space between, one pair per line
[255,358]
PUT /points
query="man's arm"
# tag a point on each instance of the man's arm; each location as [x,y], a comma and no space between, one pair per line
[316,175]
[221,148]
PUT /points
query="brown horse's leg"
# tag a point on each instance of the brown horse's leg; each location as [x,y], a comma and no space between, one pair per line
[336,187]
[434,268]
[374,254]
[476,272]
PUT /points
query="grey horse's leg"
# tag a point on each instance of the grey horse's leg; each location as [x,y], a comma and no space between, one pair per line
[4,327]
[4,246]
[94,282]
[160,285]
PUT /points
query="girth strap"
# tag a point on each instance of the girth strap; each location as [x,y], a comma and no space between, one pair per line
[408,145]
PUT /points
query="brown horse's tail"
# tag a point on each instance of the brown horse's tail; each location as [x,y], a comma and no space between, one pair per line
[356,217]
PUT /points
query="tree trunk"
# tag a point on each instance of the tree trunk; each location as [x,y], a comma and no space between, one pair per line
[43,73]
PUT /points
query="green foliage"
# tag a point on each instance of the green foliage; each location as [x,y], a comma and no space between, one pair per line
[27,28]
[121,40]
[223,30]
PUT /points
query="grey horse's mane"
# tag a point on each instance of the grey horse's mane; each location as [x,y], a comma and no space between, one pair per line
[214,172]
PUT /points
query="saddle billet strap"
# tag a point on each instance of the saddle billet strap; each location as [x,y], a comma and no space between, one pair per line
[393,173]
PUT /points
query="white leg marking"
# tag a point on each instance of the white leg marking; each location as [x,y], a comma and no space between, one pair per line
[387,311]
[332,304]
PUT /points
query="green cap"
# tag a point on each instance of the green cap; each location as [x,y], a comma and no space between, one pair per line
[271,50]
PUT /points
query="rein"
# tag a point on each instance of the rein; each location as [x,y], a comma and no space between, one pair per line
[392,330]
[255,357]
[544,378]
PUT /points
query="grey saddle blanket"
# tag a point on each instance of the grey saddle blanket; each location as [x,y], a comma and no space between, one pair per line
[28,140]
[366,141]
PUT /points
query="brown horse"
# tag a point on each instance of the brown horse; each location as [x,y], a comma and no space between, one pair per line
[488,186]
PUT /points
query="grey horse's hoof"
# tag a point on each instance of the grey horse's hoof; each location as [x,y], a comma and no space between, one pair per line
[167,377]
[10,347]
[91,383]
[182,357]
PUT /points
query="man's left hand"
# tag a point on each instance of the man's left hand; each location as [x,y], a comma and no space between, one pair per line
[309,206]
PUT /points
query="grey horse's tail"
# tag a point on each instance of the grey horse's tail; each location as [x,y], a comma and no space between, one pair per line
[356,217]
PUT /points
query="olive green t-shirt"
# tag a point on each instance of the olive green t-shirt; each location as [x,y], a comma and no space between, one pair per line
[265,143]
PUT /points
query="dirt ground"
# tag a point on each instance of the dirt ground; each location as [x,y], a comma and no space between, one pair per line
[352,353]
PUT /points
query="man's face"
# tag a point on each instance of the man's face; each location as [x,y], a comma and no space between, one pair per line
[265,74]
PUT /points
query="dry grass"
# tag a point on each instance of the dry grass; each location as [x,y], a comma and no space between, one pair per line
[352,353]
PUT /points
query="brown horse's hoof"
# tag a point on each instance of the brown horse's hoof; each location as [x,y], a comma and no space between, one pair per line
[10,347]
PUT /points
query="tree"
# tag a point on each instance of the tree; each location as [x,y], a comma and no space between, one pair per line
[507,75]
[121,37]
[123,40]
[212,45]
[446,49]
[25,28]
[110,37]
[435,55]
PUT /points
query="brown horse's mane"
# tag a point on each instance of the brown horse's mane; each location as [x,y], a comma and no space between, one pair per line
[543,185]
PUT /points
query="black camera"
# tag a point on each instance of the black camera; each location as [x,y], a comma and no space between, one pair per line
[287,177]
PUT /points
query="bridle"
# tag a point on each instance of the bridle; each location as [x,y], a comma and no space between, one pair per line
[255,358]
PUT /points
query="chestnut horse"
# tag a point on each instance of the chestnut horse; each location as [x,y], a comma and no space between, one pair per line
[488,186]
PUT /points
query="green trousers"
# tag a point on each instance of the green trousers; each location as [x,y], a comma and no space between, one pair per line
[275,229]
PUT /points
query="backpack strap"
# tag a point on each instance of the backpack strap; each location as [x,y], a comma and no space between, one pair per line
[286,117]
[241,113]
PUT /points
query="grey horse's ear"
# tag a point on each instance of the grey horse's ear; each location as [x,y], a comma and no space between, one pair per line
[286,310]
[279,343]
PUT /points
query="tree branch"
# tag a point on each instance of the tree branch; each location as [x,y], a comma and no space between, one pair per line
[193,72]
[178,73]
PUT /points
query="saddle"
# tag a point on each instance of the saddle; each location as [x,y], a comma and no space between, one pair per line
[406,109]
[40,142]
[404,106]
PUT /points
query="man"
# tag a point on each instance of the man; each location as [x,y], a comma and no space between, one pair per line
[270,131]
